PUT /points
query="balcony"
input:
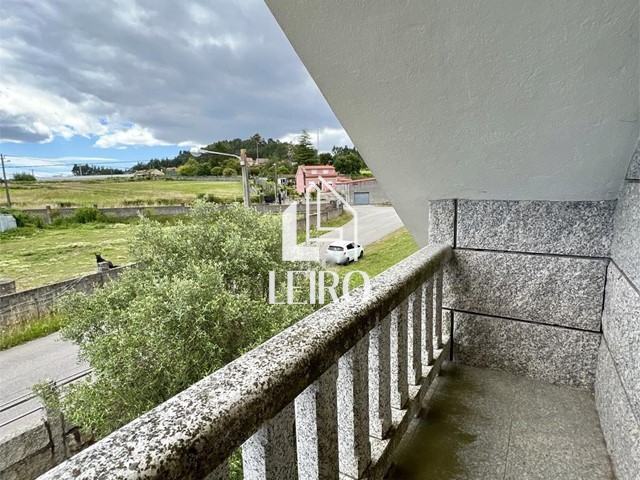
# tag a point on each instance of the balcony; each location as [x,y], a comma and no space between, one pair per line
[362,388]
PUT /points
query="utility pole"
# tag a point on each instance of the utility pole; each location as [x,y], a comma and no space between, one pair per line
[275,181]
[245,177]
[6,184]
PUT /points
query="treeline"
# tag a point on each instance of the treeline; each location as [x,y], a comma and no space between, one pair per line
[87,169]
[284,157]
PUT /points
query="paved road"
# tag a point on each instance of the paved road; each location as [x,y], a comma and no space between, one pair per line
[374,223]
[49,357]
[23,366]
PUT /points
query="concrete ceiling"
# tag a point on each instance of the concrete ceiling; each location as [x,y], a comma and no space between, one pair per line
[483,99]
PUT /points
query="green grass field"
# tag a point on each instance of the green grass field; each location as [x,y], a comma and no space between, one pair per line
[35,257]
[381,255]
[117,193]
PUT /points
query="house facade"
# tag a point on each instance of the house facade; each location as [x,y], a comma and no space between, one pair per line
[308,175]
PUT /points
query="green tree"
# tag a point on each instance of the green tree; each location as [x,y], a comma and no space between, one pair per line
[257,140]
[304,153]
[348,163]
[199,301]
[232,164]
[325,158]
[189,169]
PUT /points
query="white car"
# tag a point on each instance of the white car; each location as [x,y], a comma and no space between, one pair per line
[344,252]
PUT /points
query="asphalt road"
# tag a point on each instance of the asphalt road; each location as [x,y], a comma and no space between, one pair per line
[23,366]
[49,357]
[373,222]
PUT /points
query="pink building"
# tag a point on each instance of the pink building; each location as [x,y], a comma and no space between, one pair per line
[308,175]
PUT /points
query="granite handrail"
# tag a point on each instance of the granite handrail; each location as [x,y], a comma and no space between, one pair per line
[192,434]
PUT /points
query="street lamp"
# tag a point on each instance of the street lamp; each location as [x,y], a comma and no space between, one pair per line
[197,151]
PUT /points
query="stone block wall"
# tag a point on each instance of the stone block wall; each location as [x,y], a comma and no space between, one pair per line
[24,305]
[526,286]
[32,450]
[618,379]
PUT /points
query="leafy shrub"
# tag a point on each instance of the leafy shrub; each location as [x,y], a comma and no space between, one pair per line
[169,201]
[228,172]
[23,177]
[216,199]
[83,215]
[134,203]
[86,215]
[199,302]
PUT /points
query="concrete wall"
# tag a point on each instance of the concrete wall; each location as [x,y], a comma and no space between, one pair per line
[122,212]
[27,304]
[618,378]
[39,446]
[526,285]
[326,214]
[157,210]
[377,196]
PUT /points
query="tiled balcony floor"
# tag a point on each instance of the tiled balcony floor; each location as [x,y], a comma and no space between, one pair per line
[481,424]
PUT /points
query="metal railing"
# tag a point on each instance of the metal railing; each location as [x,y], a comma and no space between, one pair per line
[27,397]
[332,395]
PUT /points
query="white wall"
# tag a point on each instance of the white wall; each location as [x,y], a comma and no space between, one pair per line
[483,99]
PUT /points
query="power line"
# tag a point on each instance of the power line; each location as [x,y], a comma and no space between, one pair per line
[132,162]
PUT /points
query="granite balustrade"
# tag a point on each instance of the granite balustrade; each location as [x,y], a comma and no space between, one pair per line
[322,399]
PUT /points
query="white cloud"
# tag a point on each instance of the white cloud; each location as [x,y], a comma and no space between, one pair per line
[40,115]
[159,72]
[327,136]
[135,135]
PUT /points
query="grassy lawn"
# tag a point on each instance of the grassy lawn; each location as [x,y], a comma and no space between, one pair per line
[35,257]
[115,193]
[381,255]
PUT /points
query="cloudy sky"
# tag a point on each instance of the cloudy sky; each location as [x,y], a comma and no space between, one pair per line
[127,80]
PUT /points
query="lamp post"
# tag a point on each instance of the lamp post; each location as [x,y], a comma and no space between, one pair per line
[197,151]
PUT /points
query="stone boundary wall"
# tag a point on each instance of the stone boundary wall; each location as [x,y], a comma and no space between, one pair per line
[124,212]
[526,286]
[22,306]
[325,215]
[180,178]
[618,374]
[37,447]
